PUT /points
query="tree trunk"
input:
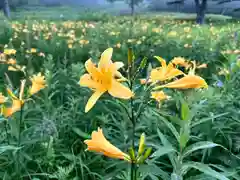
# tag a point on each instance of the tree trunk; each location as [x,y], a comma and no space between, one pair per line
[132,7]
[6,9]
[201,11]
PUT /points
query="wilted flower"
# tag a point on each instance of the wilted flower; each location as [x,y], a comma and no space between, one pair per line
[100,144]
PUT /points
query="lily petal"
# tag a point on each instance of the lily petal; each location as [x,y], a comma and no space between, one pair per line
[120,91]
[92,100]
[91,68]
[87,81]
[9,91]
[118,65]
[187,82]
[105,59]
[161,60]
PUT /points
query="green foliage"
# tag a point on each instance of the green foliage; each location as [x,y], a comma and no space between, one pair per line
[193,136]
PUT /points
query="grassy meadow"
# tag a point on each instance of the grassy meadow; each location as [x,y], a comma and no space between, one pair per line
[188,133]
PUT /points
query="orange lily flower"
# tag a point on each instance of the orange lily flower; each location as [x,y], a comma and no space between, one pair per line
[159,95]
[100,144]
[9,51]
[103,79]
[181,62]
[16,106]
[17,103]
[166,72]
[38,83]
[187,82]
[3,99]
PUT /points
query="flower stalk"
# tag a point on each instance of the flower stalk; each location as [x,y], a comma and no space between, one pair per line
[19,140]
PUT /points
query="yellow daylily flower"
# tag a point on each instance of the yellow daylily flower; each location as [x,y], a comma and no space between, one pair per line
[187,82]
[83,41]
[100,144]
[17,102]
[11,61]
[38,83]
[3,99]
[180,61]
[166,72]
[159,96]
[103,79]
[17,68]
[9,51]
[172,34]
[16,106]
[33,50]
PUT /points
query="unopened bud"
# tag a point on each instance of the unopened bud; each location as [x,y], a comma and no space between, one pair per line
[147,153]
[141,144]
[132,154]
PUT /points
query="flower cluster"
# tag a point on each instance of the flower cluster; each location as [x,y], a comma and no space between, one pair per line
[16,102]
[106,78]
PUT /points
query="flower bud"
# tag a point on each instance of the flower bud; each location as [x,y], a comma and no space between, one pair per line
[141,144]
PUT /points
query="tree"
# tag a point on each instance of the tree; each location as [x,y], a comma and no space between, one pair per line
[200,10]
[131,3]
[201,7]
[6,9]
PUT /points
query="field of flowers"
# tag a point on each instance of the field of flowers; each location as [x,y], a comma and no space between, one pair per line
[163,90]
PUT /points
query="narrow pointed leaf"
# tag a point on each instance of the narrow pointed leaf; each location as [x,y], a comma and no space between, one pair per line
[205,169]
[198,146]
[162,151]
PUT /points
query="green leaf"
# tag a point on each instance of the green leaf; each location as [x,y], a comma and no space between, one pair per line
[162,151]
[193,124]
[171,127]
[8,148]
[185,111]
[130,56]
[165,142]
[176,177]
[81,133]
[198,146]
[152,169]
[143,63]
[205,169]
[184,135]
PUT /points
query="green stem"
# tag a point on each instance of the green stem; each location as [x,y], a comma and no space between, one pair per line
[6,131]
[19,141]
[133,120]
[19,127]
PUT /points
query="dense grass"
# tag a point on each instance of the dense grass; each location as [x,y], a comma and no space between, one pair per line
[55,124]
